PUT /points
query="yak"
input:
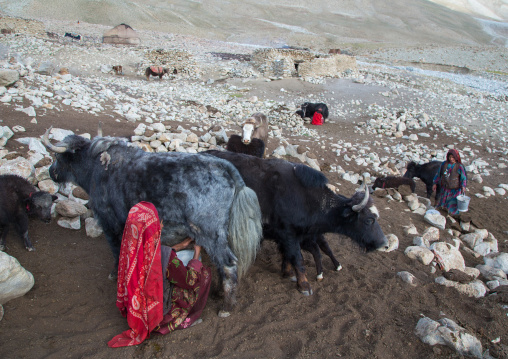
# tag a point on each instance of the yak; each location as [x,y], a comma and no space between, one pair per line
[200,197]
[255,127]
[297,206]
[156,71]
[426,172]
[255,148]
[307,109]
[393,182]
[19,200]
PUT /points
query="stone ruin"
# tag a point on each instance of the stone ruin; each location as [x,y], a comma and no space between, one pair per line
[179,60]
[14,25]
[301,63]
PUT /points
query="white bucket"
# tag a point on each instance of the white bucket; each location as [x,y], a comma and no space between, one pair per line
[463,202]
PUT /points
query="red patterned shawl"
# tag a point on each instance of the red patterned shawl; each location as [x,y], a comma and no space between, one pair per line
[139,293]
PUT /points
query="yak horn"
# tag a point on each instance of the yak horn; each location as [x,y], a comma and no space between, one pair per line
[45,141]
[363,203]
[99,130]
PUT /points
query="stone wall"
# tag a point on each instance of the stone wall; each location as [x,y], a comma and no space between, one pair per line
[291,63]
[329,66]
[22,26]
[180,60]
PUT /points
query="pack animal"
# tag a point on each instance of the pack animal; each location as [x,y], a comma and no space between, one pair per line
[200,197]
[73,36]
[19,200]
[156,71]
[297,206]
[393,182]
[308,109]
[255,126]
[118,69]
[426,172]
[255,148]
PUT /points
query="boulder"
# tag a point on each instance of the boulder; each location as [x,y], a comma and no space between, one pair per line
[8,77]
[15,280]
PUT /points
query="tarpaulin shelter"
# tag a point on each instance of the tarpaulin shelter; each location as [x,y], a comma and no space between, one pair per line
[122,34]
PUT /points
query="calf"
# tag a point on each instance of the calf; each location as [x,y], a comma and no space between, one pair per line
[18,200]
[308,109]
[255,148]
[426,173]
[393,182]
[255,127]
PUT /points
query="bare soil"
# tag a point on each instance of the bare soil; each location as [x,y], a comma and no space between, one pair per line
[363,311]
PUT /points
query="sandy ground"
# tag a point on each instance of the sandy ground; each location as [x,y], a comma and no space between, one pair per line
[363,311]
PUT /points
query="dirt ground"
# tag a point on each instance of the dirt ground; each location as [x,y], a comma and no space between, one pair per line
[363,311]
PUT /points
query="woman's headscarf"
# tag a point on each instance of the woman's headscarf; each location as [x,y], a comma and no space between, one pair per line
[455,154]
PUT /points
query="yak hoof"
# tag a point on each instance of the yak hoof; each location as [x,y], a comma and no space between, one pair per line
[30,249]
[307,292]
[319,277]
[224,314]
[293,278]
[338,268]
[113,275]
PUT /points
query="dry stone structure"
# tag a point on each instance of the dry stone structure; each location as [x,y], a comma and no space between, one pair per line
[173,59]
[294,63]
[21,26]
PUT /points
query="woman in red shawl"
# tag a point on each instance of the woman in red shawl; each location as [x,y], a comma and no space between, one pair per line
[155,290]
[453,180]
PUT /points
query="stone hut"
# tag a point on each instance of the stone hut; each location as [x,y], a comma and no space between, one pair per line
[300,63]
[121,34]
[173,59]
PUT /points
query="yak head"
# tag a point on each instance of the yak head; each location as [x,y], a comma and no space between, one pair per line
[411,170]
[360,221]
[71,157]
[39,205]
[379,182]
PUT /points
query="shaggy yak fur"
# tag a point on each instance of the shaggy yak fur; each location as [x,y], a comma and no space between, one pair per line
[255,148]
[308,109]
[201,197]
[426,173]
[156,71]
[298,207]
[18,200]
[393,182]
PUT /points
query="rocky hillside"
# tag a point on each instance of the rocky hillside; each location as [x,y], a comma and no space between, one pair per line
[320,24]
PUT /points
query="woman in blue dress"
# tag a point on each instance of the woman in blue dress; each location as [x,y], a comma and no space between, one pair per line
[452,178]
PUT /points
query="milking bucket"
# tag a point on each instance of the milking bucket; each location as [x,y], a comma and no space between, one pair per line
[463,202]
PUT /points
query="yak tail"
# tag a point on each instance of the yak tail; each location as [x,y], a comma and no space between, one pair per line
[245,230]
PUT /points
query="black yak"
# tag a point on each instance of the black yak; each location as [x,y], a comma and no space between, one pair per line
[19,200]
[201,197]
[308,109]
[297,206]
[426,172]
[393,182]
[156,71]
[254,127]
[255,148]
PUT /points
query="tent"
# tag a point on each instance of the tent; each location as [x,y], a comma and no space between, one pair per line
[121,34]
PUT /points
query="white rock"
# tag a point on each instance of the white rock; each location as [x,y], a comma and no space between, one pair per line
[451,256]
[475,289]
[49,185]
[435,218]
[19,166]
[70,208]
[423,255]
[408,278]
[447,332]
[491,273]
[431,234]
[70,223]
[15,280]
[393,242]
[93,228]
[497,260]
[500,191]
